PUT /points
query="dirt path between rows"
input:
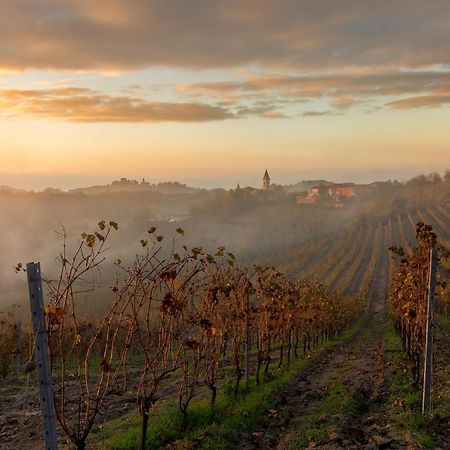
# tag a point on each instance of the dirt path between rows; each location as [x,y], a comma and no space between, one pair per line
[360,366]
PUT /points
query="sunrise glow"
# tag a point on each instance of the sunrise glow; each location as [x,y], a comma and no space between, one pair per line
[94,90]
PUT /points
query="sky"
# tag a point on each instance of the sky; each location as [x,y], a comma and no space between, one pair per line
[211,93]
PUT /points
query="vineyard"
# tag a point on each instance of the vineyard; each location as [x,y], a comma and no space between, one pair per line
[414,282]
[174,311]
[346,262]
[224,225]
[202,335]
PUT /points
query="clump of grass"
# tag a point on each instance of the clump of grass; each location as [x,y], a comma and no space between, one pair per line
[319,422]
[443,321]
[405,399]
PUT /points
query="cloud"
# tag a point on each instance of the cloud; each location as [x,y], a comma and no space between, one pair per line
[85,105]
[264,109]
[333,84]
[423,101]
[348,54]
[122,35]
[342,90]
[77,104]
[316,113]
[274,115]
[267,96]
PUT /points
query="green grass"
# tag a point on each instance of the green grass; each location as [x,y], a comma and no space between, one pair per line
[405,399]
[441,383]
[318,423]
[444,322]
[220,428]
[331,411]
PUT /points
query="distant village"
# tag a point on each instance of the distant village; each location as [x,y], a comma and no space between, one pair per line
[312,192]
[336,193]
[331,193]
[307,192]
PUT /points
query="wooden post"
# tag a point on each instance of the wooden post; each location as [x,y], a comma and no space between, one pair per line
[247,340]
[18,346]
[42,357]
[428,358]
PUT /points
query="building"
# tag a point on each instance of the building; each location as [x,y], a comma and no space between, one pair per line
[335,193]
[343,190]
[125,184]
[266,180]
[309,198]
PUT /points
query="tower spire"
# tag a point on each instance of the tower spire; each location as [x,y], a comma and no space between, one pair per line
[266,180]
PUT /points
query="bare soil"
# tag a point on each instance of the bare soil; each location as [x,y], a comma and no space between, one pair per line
[361,365]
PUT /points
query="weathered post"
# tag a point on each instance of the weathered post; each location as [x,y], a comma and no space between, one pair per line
[17,352]
[247,339]
[42,357]
[428,359]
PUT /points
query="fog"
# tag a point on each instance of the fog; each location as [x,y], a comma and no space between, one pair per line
[251,223]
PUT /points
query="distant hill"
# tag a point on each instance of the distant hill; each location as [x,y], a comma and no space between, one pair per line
[125,185]
[11,189]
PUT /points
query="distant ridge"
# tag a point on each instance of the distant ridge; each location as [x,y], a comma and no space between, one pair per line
[125,185]
[12,190]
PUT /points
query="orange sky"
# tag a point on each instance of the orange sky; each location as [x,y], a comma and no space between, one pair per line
[93,91]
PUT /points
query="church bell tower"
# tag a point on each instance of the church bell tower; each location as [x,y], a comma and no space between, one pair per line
[266,180]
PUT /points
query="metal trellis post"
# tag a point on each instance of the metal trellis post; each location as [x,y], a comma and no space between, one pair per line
[428,359]
[42,356]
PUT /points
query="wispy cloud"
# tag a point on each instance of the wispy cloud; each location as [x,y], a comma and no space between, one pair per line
[271,97]
[316,113]
[423,101]
[77,104]
[85,105]
[342,90]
